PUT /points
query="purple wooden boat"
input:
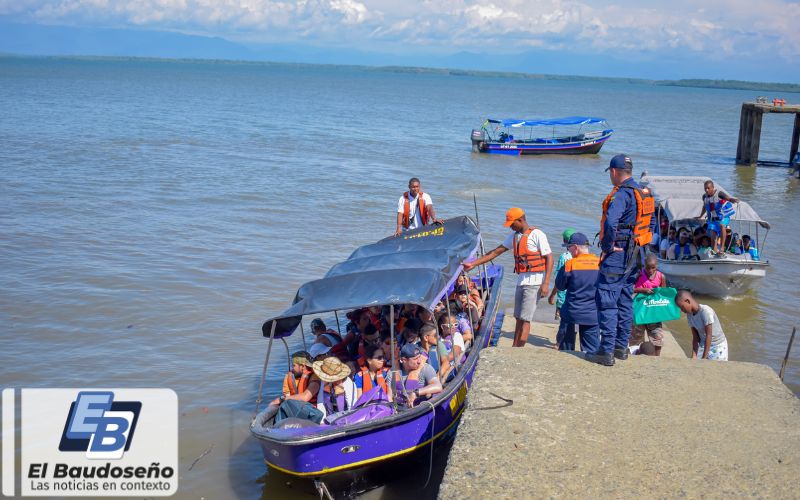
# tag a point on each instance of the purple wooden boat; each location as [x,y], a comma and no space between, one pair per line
[418,267]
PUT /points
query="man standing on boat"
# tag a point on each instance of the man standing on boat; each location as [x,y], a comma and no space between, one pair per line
[414,208]
[627,224]
[533,263]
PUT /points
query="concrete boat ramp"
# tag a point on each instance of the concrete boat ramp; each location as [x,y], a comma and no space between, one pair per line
[647,427]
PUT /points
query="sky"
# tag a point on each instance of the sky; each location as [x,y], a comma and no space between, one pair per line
[735,38]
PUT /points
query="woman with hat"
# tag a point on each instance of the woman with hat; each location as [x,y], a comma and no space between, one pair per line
[336,389]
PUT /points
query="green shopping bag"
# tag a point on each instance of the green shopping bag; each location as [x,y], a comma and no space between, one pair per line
[657,307]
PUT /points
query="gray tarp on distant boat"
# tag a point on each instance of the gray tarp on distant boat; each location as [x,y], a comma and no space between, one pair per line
[414,268]
[682,198]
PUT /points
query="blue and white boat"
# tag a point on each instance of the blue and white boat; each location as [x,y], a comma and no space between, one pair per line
[566,136]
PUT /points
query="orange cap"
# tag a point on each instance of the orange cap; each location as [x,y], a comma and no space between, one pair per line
[513,214]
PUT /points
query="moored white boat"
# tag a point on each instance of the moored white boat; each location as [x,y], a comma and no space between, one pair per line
[679,200]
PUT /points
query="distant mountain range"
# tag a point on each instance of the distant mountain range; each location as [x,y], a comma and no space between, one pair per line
[43,40]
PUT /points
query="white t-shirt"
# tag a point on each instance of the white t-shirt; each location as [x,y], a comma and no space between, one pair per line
[414,219]
[707,316]
[537,242]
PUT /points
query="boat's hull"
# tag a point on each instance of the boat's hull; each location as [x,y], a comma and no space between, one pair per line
[309,453]
[716,277]
[589,146]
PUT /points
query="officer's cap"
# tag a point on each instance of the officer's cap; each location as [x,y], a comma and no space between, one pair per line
[620,161]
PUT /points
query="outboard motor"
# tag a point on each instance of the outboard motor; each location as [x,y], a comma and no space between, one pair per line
[478,138]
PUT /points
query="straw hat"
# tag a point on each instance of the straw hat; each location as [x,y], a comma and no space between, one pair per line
[331,369]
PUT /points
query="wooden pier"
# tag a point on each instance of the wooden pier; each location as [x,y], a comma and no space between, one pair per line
[750,130]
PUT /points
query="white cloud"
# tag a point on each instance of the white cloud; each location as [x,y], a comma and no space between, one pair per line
[718,28]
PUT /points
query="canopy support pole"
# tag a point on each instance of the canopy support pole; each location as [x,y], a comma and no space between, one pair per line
[303,334]
[392,347]
[338,326]
[471,323]
[485,280]
[288,354]
[456,359]
[264,370]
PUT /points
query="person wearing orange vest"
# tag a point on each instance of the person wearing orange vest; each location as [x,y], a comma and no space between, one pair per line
[578,278]
[374,372]
[296,381]
[627,224]
[533,263]
[414,208]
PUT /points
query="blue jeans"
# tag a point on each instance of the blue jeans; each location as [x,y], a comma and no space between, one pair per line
[614,299]
[590,337]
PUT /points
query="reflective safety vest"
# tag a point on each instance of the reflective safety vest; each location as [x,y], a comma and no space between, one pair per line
[645,208]
[424,213]
[294,386]
[526,261]
[583,262]
[367,384]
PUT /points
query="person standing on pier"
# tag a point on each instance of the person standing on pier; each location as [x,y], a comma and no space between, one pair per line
[626,225]
[414,208]
[578,278]
[533,263]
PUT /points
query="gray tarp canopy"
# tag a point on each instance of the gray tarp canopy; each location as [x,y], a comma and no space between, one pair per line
[413,268]
[682,198]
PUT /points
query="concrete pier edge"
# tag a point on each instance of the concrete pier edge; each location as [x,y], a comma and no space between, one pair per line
[646,427]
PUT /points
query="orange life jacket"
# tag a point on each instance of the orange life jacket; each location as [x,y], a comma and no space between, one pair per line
[367,383]
[583,262]
[424,213]
[645,208]
[294,386]
[526,261]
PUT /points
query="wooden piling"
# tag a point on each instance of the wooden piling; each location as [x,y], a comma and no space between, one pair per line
[750,122]
[795,138]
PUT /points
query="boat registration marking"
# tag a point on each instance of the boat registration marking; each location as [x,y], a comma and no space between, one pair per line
[458,399]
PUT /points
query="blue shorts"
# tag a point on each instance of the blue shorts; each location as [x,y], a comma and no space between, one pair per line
[717,225]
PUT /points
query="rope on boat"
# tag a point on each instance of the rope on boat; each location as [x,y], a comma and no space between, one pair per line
[430,460]
[322,489]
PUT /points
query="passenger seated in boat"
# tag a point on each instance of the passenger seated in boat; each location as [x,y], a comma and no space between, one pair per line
[705,252]
[667,242]
[373,373]
[297,379]
[683,250]
[747,249]
[435,350]
[450,328]
[359,319]
[474,294]
[418,380]
[336,391]
[317,352]
[466,308]
[409,336]
[371,337]
[324,334]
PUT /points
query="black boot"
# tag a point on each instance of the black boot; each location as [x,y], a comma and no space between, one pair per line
[601,358]
[621,353]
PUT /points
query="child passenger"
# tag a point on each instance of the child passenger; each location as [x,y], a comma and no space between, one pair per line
[708,340]
[649,278]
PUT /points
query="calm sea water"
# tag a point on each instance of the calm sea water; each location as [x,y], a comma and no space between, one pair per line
[153,214]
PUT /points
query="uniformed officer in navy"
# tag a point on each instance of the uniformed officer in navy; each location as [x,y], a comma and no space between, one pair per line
[627,223]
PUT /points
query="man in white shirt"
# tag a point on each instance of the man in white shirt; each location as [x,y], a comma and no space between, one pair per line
[533,263]
[414,208]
